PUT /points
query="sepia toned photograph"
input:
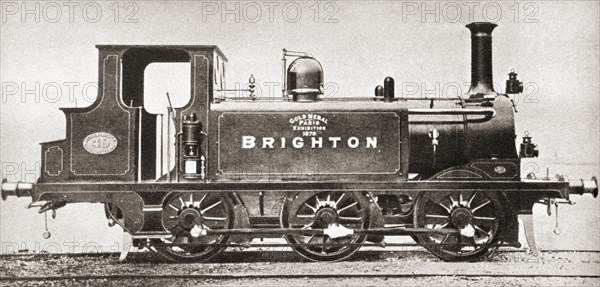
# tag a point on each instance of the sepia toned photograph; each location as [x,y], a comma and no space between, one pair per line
[299,143]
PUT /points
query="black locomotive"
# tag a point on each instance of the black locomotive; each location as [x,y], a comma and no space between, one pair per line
[328,174]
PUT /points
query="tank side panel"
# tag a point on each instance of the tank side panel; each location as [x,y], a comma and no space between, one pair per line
[294,144]
[309,141]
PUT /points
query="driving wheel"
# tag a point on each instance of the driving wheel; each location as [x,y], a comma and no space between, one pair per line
[320,210]
[477,216]
[187,216]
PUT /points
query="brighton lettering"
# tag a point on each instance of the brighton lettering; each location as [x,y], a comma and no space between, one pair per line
[250,142]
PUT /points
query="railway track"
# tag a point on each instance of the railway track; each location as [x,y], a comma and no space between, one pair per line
[417,248]
[277,268]
[282,276]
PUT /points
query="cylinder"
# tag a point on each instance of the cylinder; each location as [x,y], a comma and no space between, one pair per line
[481,58]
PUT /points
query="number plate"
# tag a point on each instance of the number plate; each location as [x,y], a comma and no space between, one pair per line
[100,143]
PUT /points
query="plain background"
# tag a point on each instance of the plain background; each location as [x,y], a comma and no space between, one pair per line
[552,45]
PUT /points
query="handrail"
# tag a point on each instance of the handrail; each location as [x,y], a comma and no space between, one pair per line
[488,113]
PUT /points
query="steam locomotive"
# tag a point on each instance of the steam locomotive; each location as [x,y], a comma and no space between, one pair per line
[327,174]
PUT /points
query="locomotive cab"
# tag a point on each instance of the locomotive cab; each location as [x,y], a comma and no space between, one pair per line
[117,138]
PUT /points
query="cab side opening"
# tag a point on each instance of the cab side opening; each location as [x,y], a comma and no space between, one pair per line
[147,75]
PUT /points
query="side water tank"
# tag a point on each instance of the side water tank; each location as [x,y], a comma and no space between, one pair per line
[305,79]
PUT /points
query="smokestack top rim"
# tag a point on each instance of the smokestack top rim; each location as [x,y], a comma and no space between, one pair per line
[481,28]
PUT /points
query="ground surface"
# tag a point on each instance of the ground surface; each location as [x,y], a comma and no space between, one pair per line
[405,268]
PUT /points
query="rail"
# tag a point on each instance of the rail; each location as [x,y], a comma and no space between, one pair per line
[223,276]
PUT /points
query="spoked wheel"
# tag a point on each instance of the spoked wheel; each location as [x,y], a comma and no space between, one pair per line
[187,215]
[319,210]
[478,216]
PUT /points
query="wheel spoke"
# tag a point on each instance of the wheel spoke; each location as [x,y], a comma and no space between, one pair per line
[350,218]
[436,216]
[445,207]
[484,218]
[484,221]
[444,224]
[202,200]
[444,240]
[182,203]
[480,206]
[175,208]
[482,231]
[453,203]
[210,207]
[471,199]
[312,208]
[214,218]
[344,208]
[338,201]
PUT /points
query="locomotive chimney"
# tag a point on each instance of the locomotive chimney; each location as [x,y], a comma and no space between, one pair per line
[481,59]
